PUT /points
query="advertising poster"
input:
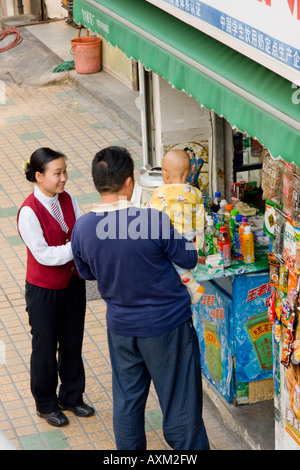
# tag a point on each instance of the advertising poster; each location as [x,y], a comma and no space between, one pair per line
[198,153]
[211,318]
[252,328]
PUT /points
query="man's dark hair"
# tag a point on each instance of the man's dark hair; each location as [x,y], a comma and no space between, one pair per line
[110,169]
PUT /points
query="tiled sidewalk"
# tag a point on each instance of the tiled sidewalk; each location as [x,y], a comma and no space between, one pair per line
[58,117]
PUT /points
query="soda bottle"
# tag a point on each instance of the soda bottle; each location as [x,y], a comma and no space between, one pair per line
[248,239]
[241,231]
[236,244]
[209,236]
[224,247]
[233,213]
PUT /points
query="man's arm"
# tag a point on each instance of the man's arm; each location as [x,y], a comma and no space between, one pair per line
[82,267]
[177,248]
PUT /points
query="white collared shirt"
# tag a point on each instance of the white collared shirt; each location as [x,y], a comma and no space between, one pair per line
[121,203]
[32,233]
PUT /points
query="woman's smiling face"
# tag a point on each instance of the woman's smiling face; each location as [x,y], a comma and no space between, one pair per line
[52,181]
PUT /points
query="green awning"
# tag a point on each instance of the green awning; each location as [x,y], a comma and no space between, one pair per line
[249,96]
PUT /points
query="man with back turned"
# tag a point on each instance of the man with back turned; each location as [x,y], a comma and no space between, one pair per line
[130,251]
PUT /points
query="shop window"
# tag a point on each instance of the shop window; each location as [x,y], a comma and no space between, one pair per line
[247,166]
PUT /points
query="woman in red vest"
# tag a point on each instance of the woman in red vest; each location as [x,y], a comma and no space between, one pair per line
[55,295]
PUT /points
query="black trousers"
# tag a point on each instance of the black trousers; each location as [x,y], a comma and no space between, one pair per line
[172,361]
[56,318]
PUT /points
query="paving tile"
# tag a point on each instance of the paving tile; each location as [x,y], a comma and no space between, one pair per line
[8,211]
[55,440]
[14,240]
[32,442]
[97,125]
[14,119]
[155,419]
[32,136]
[7,103]
[74,174]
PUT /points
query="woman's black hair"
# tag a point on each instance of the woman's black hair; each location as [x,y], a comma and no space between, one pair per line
[110,169]
[39,160]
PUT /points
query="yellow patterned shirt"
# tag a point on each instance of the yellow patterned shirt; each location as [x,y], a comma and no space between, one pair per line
[184,205]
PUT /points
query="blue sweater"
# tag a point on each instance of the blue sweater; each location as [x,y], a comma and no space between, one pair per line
[130,253]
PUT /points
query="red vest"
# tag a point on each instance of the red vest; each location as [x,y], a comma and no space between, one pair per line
[51,277]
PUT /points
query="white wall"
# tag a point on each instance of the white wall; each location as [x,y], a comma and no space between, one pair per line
[180,122]
[178,117]
[55,10]
[7,7]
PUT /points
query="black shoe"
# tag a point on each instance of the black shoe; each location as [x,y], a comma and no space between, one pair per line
[83,410]
[56,418]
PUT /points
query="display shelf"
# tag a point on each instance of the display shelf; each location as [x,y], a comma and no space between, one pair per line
[237,267]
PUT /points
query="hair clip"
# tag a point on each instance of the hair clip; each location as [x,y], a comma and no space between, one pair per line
[25,166]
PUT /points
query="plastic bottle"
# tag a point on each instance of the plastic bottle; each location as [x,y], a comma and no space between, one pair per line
[207,201]
[217,233]
[241,231]
[218,225]
[248,239]
[233,213]
[215,207]
[221,211]
[209,237]
[246,150]
[236,244]
[216,203]
[226,217]
[224,247]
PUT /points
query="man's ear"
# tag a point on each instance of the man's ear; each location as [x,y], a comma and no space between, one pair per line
[129,182]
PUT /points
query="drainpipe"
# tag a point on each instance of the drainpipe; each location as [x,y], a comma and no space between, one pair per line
[20,7]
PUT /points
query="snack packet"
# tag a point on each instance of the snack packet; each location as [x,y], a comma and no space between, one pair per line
[272,172]
[283,278]
[277,330]
[279,231]
[288,339]
[287,306]
[274,266]
[289,245]
[271,307]
[296,198]
[270,217]
[296,345]
[292,282]
[296,226]
[287,187]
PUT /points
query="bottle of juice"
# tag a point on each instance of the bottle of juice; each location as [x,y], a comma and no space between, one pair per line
[241,231]
[233,213]
[248,239]
[209,236]
[224,247]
